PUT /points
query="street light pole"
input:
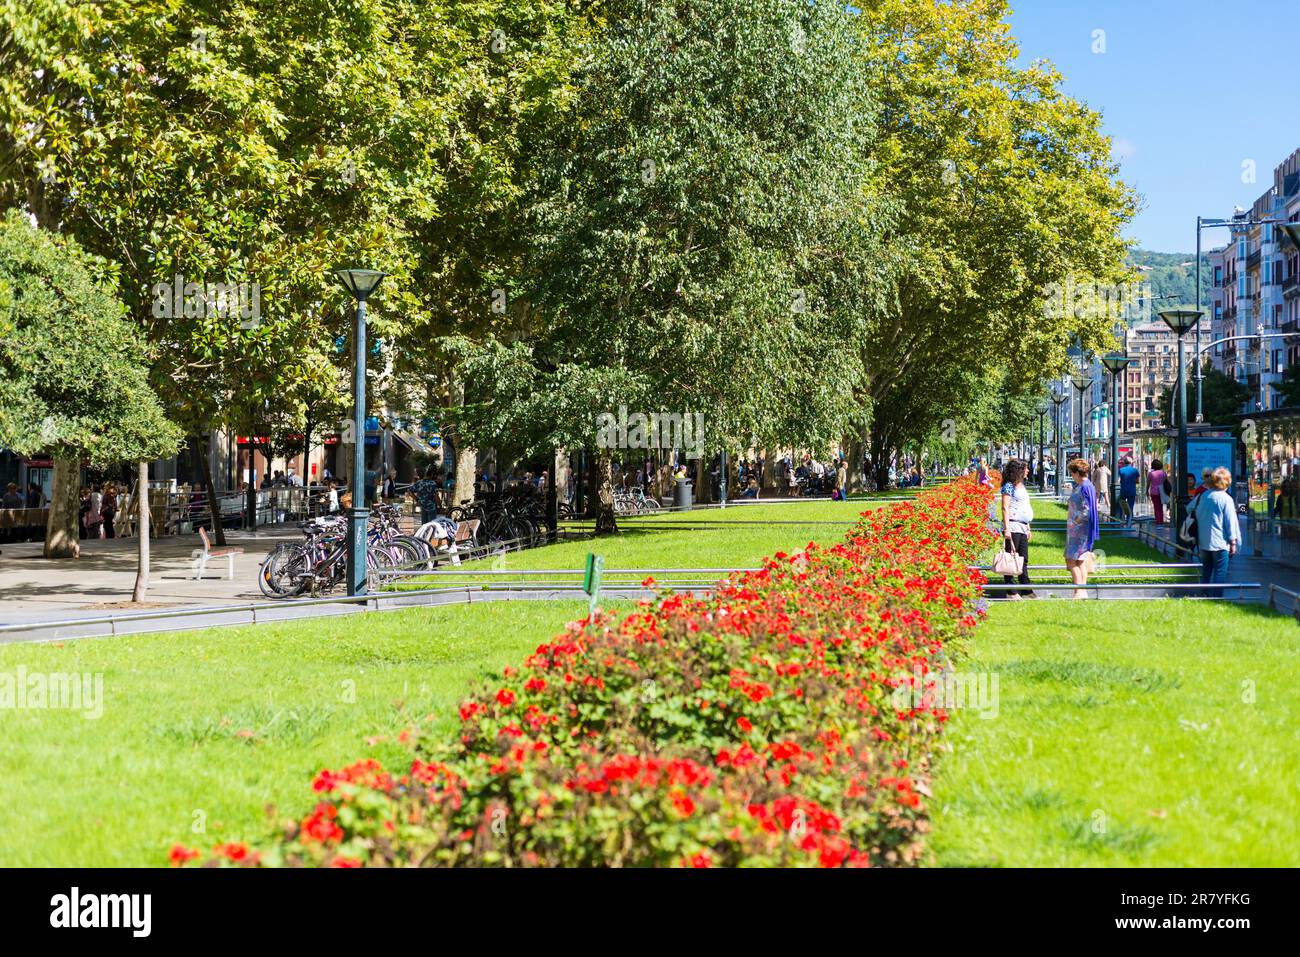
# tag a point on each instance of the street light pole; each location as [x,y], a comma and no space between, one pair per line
[1179,322]
[361,283]
[1115,363]
[1042,440]
[1057,401]
[1199,416]
[1081,384]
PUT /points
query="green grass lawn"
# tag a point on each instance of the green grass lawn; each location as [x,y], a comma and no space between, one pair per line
[1143,734]
[212,726]
[1130,709]
[710,538]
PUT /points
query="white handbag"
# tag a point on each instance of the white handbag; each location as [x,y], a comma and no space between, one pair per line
[1008,563]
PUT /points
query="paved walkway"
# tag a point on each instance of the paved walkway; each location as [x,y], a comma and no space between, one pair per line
[33,588]
[1246,566]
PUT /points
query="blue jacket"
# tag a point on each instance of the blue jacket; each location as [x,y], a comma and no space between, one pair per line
[1216,521]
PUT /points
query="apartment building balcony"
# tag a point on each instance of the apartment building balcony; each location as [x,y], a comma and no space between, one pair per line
[1291,287]
[1252,260]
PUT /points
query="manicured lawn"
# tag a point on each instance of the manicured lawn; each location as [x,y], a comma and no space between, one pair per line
[716,538]
[212,726]
[1136,734]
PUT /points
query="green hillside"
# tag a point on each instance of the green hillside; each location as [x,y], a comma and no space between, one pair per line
[1173,274]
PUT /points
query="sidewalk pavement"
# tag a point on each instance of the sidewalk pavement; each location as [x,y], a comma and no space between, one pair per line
[33,588]
[1245,566]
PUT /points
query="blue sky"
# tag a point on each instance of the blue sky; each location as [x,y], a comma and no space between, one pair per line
[1189,89]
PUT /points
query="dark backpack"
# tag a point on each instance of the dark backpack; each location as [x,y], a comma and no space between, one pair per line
[1167,488]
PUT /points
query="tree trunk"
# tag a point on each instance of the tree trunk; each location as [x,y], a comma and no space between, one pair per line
[552,499]
[606,521]
[880,455]
[65,504]
[466,465]
[703,492]
[853,454]
[214,507]
[592,482]
[305,474]
[142,532]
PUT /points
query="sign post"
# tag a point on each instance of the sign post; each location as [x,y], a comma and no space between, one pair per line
[591,581]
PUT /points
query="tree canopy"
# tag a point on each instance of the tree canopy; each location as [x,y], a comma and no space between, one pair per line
[73,368]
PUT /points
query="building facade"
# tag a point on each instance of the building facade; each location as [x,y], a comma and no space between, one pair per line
[1255,292]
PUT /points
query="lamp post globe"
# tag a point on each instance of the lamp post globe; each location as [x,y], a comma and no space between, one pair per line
[361,284]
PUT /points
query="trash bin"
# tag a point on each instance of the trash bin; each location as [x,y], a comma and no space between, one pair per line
[683,493]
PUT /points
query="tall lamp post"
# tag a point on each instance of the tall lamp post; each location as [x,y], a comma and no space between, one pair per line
[361,283]
[1042,440]
[1057,402]
[1180,322]
[1115,363]
[1082,384]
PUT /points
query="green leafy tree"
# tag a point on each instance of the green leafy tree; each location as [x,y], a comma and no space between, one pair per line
[1003,186]
[713,155]
[213,143]
[74,370]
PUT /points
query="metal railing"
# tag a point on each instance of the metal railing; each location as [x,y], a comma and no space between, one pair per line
[1277,595]
[1188,591]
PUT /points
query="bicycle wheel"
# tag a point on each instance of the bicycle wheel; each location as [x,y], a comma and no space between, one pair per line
[405,552]
[417,549]
[284,572]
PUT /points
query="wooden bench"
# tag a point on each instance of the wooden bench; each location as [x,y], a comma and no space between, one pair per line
[467,531]
[201,558]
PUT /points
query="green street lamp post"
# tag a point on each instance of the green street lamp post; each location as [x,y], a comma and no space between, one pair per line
[1081,384]
[1180,322]
[1115,363]
[361,283]
[1042,441]
[1057,402]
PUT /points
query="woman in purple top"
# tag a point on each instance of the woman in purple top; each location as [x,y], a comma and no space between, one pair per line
[1082,528]
[1156,488]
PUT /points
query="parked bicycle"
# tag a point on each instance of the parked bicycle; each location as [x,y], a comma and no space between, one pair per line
[632,500]
[319,563]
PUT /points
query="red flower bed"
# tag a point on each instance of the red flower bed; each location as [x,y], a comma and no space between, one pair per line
[757,725]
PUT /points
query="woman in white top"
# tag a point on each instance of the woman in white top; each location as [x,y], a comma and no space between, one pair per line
[1017,514]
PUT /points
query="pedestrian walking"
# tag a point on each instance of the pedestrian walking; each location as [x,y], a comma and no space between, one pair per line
[1218,534]
[1082,527]
[1101,485]
[108,509]
[1017,515]
[1128,488]
[426,497]
[1156,489]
